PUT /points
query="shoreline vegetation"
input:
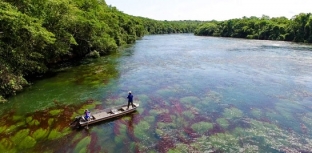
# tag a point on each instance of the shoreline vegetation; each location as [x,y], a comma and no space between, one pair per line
[35,36]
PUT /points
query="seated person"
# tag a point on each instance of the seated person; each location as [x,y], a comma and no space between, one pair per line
[87,115]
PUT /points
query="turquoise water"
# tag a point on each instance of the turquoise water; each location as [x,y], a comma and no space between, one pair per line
[195,94]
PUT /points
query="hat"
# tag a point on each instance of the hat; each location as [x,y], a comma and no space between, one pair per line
[129,91]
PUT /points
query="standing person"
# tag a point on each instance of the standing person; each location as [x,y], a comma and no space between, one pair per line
[130,100]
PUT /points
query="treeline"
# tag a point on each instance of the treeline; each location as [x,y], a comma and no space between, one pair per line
[297,29]
[35,34]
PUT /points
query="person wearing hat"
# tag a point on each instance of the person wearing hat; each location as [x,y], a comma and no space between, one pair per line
[130,100]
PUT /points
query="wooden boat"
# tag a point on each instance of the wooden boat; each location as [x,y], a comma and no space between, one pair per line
[105,114]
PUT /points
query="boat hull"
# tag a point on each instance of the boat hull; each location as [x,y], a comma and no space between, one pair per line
[105,114]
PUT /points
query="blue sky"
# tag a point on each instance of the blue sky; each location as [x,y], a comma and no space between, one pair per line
[211,9]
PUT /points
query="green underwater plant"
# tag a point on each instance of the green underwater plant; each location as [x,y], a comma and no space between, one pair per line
[22,139]
[272,137]
[230,113]
[55,134]
[11,128]
[256,113]
[117,101]
[163,125]
[50,121]
[188,114]
[224,142]
[19,136]
[144,99]
[179,121]
[149,119]
[2,128]
[40,133]
[119,139]
[223,122]
[140,130]
[82,145]
[202,127]
[6,145]
[27,142]
[29,119]
[190,100]
[166,93]
[34,122]
[213,96]
[17,118]
[55,112]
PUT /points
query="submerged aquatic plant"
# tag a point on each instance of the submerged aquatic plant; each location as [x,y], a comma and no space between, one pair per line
[141,130]
[2,128]
[213,96]
[202,127]
[23,140]
[155,112]
[224,142]
[20,135]
[40,133]
[50,121]
[223,122]
[83,144]
[56,133]
[115,101]
[166,93]
[256,113]
[7,146]
[55,112]
[120,138]
[191,100]
[188,114]
[11,128]
[230,113]
[149,119]
[34,122]
[29,119]
[27,142]
[17,118]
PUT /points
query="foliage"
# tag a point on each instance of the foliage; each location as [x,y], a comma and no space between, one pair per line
[297,29]
[35,35]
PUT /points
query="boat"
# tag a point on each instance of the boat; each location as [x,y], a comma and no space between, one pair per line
[102,115]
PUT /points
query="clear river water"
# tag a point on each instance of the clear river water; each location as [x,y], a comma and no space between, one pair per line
[196,94]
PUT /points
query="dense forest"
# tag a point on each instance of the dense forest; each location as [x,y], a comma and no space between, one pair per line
[297,29]
[37,34]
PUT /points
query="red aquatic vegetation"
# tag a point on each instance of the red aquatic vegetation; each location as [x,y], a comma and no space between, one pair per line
[190,132]
[7,118]
[164,117]
[177,107]
[216,129]
[94,147]
[116,128]
[157,100]
[165,144]
[130,127]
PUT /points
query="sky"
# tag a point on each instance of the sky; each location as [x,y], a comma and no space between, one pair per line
[207,10]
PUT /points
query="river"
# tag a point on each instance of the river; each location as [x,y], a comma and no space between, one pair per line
[195,94]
